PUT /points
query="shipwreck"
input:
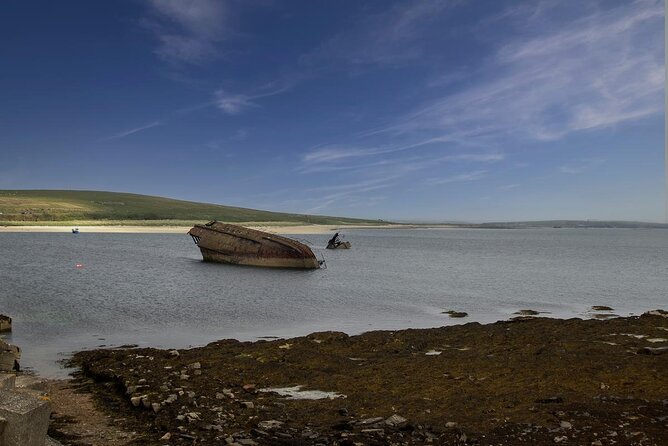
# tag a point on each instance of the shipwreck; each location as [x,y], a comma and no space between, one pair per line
[336,243]
[226,243]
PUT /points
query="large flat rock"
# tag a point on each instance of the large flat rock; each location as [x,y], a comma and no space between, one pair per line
[26,419]
[7,381]
[9,356]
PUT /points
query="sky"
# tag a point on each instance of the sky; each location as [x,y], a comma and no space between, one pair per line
[426,110]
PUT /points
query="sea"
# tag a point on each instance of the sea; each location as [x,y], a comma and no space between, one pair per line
[68,292]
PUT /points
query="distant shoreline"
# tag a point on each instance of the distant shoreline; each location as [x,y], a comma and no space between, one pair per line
[268,227]
[182,227]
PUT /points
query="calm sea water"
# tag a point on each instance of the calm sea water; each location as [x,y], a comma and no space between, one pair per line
[151,289]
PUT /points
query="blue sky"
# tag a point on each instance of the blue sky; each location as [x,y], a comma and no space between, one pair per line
[412,110]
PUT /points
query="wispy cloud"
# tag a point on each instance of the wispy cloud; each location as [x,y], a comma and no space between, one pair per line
[317,199]
[345,158]
[188,30]
[326,196]
[335,153]
[463,177]
[235,103]
[232,104]
[134,130]
[388,37]
[601,70]
[508,186]
[581,166]
[553,78]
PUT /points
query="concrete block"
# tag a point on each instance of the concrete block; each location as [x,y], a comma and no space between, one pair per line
[5,323]
[9,356]
[7,381]
[27,419]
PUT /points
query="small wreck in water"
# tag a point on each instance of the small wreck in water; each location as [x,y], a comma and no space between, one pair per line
[336,243]
[226,243]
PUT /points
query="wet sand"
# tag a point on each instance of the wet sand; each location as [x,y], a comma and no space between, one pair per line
[524,381]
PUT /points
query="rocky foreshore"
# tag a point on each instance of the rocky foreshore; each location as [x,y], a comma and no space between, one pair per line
[525,381]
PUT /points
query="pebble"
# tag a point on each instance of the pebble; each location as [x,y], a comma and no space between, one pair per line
[371,420]
[174,353]
[247,404]
[195,365]
[167,436]
[662,313]
[396,420]
[269,424]
[560,439]
[653,351]
[565,425]
[156,407]
[451,424]
[136,401]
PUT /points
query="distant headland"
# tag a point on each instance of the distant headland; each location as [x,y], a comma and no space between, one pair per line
[101,211]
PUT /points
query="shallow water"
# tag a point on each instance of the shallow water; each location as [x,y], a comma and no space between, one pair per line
[153,289]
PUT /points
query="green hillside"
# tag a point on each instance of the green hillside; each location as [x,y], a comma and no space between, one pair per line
[94,207]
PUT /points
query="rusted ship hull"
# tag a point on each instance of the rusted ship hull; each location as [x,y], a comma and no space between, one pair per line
[233,244]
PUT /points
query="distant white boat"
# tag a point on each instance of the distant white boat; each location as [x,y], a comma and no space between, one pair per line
[75,230]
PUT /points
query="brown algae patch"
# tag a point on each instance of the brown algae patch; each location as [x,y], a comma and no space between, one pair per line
[605,315]
[516,384]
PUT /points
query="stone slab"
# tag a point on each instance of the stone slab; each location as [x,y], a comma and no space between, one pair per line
[27,419]
[7,381]
[9,356]
[5,323]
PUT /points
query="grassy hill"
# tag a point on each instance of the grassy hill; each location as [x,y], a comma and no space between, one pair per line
[20,207]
